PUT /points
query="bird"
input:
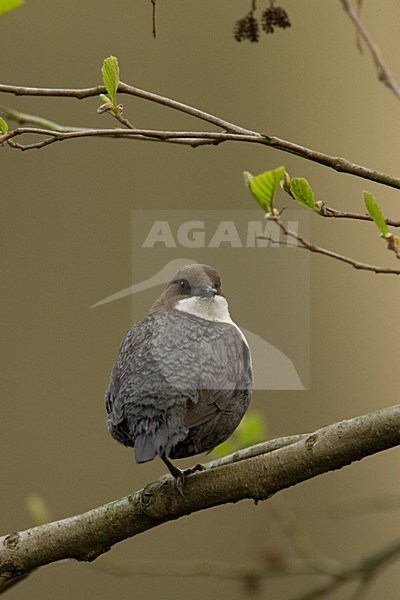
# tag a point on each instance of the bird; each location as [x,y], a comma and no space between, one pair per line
[182,380]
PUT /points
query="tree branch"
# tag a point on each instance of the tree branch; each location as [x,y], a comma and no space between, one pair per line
[328,211]
[25,119]
[362,570]
[231,132]
[384,74]
[86,536]
[340,257]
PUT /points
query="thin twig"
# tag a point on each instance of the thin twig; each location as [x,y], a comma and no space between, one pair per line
[26,119]
[301,541]
[154,2]
[80,94]
[346,259]
[257,450]
[189,138]
[362,570]
[120,117]
[327,211]
[123,88]
[384,74]
[200,567]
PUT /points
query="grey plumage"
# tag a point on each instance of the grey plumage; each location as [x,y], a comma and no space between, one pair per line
[181,383]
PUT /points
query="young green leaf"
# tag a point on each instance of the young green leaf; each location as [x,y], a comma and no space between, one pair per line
[9,5]
[110,72]
[264,186]
[105,99]
[3,126]
[375,214]
[302,192]
[108,106]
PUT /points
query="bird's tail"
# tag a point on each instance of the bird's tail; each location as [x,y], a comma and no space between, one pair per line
[160,441]
[147,446]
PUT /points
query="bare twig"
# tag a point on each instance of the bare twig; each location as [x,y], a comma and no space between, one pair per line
[120,117]
[302,543]
[25,119]
[231,132]
[200,567]
[362,570]
[361,505]
[154,2]
[346,259]
[189,138]
[257,450]
[123,88]
[384,74]
[86,536]
[20,90]
[327,211]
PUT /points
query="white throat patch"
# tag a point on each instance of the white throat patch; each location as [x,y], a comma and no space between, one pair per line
[212,309]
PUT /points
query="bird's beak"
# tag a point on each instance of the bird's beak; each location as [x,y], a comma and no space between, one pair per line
[208,292]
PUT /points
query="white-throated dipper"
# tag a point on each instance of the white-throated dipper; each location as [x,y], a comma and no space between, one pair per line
[183,377]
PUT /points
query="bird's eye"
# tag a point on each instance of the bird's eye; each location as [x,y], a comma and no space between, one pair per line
[185,286]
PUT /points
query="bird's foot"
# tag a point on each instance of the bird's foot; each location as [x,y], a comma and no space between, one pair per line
[194,469]
[179,475]
[180,481]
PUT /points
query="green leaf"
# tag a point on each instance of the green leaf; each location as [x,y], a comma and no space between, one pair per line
[302,192]
[3,126]
[108,106]
[9,5]
[264,186]
[110,72]
[105,99]
[375,214]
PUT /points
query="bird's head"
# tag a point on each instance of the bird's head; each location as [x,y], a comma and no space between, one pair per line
[195,289]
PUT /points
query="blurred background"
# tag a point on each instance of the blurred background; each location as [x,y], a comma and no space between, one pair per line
[66,239]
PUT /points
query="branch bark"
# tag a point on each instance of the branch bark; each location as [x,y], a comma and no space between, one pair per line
[84,537]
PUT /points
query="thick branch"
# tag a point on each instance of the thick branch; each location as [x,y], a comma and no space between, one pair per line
[86,536]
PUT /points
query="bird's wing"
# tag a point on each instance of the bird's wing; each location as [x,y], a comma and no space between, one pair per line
[226,373]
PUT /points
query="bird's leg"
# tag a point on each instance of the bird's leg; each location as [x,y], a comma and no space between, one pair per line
[178,474]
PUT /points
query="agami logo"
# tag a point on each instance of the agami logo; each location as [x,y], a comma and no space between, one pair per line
[157,240]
